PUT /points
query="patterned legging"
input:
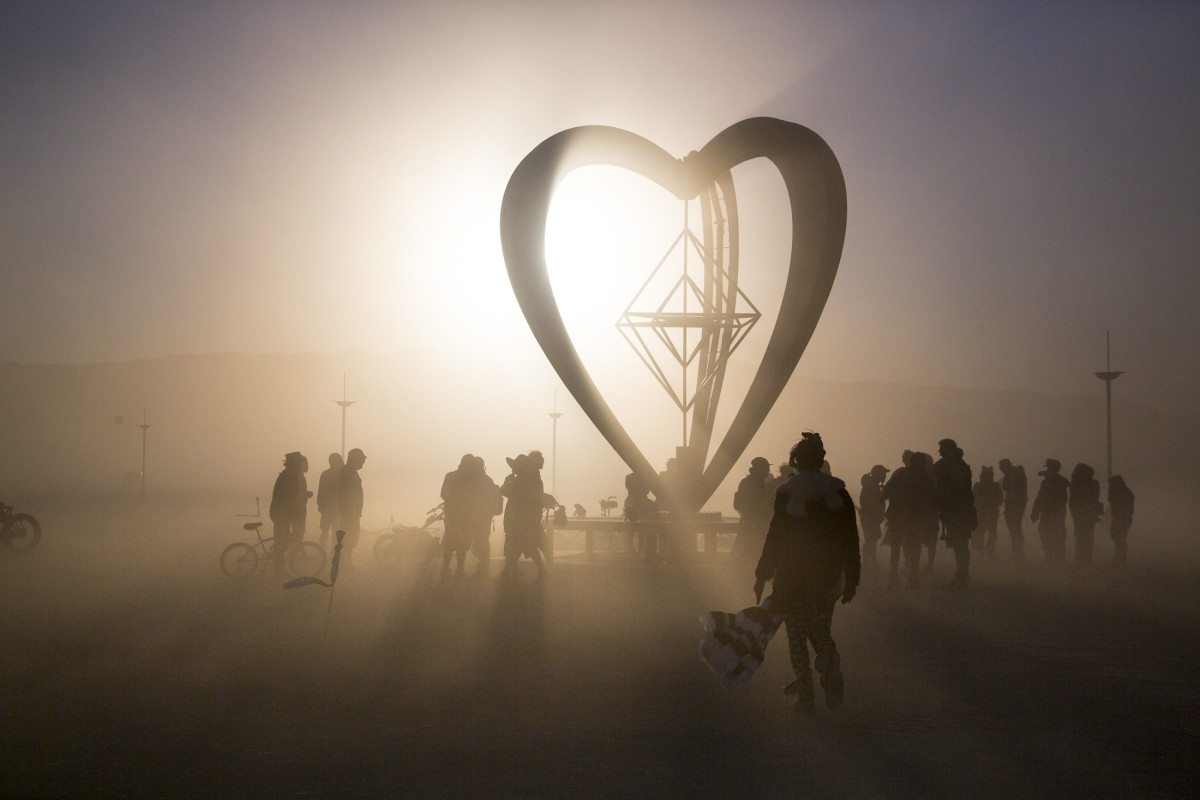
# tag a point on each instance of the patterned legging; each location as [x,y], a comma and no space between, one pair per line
[810,621]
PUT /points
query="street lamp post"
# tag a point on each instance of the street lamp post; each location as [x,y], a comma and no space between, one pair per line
[144,427]
[554,415]
[1108,376]
[344,403]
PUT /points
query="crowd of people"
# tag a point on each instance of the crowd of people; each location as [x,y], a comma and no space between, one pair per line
[798,528]
[339,502]
[922,503]
[925,502]
[470,500]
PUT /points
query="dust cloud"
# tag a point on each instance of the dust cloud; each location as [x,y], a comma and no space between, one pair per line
[135,667]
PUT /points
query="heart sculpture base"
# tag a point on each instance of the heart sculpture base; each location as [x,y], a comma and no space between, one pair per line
[817,195]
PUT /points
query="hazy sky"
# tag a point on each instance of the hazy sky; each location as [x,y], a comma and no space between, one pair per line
[316,177]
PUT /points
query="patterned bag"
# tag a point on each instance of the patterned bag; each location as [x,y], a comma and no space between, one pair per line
[734,645]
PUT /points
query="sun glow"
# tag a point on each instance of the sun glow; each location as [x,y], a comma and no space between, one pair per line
[605,231]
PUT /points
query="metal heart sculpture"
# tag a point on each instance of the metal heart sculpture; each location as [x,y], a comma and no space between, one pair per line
[817,195]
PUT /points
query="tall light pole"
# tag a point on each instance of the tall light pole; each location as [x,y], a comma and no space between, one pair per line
[344,403]
[554,415]
[144,427]
[1108,376]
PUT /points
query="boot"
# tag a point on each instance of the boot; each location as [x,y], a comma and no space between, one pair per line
[834,685]
[829,666]
[804,701]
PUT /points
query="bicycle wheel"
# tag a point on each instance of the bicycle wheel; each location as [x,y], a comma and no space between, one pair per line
[306,559]
[22,533]
[239,560]
[387,550]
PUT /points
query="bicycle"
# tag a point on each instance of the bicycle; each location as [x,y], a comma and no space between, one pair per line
[240,560]
[409,542]
[19,532]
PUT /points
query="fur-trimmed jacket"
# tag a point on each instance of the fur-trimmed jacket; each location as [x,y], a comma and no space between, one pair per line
[812,543]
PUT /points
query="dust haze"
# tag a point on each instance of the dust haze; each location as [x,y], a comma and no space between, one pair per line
[212,219]
[135,667]
[142,669]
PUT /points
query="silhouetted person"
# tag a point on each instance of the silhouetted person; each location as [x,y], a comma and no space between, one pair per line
[1016,498]
[484,502]
[1050,513]
[350,503]
[811,555]
[754,507]
[638,505]
[327,496]
[522,516]
[549,502]
[1120,507]
[956,507]
[1084,504]
[785,472]
[285,508]
[910,512]
[988,498]
[456,539]
[870,510]
[301,522]
[931,525]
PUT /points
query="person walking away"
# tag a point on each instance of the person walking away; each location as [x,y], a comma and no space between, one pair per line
[988,498]
[285,505]
[811,556]
[327,497]
[956,507]
[870,511]
[1120,505]
[1016,498]
[1050,513]
[753,505]
[1084,505]
[350,503]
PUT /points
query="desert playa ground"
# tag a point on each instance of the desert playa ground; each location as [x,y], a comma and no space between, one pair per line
[133,668]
